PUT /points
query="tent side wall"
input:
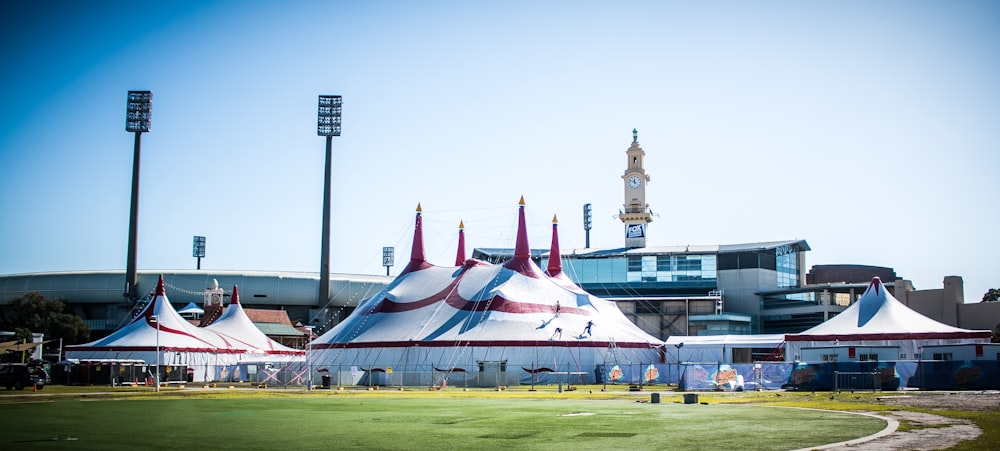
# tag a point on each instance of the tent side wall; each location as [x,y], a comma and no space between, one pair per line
[491,365]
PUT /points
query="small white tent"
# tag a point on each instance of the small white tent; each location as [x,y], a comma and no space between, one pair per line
[467,318]
[160,328]
[879,320]
[235,325]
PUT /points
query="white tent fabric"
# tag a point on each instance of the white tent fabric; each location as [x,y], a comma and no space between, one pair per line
[455,317]
[242,333]
[179,342]
[879,319]
[716,348]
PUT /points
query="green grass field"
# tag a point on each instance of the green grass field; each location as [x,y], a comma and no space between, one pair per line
[201,419]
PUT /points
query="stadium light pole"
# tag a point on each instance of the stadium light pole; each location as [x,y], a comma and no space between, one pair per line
[156,320]
[138,112]
[198,249]
[327,125]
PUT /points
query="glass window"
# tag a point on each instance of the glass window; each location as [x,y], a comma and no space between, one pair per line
[648,264]
[663,263]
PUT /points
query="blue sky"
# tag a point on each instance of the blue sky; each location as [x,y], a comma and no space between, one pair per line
[870,129]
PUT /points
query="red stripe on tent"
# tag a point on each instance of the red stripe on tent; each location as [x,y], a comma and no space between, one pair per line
[153,349]
[892,336]
[451,296]
[483,344]
[175,349]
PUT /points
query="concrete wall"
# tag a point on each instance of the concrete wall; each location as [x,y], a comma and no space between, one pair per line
[980,316]
[741,287]
[947,305]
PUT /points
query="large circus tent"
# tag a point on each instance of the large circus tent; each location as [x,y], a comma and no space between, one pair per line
[486,324]
[204,353]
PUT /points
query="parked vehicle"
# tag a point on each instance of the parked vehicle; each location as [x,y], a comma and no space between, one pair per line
[19,376]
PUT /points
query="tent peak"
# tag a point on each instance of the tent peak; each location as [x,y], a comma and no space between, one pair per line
[417,259]
[555,260]
[460,255]
[235,300]
[160,289]
[876,283]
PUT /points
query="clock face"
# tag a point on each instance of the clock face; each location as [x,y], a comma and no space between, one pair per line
[634,182]
[216,299]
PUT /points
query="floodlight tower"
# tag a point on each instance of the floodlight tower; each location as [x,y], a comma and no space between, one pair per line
[328,125]
[137,117]
[198,249]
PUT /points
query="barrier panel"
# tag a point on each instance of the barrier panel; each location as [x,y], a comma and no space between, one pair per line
[845,380]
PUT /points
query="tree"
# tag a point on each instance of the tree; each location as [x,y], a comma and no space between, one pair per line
[992,296]
[34,313]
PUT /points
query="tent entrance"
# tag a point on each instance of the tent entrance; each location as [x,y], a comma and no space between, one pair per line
[492,373]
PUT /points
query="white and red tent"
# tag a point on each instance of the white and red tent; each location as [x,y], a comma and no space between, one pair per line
[464,317]
[878,319]
[239,330]
[160,328]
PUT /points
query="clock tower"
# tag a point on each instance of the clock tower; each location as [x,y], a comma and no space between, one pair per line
[636,214]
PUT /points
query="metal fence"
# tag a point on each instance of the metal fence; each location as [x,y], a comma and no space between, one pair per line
[857,381]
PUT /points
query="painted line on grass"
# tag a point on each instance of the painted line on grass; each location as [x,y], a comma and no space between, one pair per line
[891,425]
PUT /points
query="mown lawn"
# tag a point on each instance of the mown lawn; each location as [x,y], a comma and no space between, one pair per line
[410,420]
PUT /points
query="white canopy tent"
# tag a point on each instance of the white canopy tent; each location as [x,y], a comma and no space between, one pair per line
[718,348]
[879,320]
[159,328]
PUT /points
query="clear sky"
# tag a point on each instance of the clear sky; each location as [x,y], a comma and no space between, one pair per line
[871,129]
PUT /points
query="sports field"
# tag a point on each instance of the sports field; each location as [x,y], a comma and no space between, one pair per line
[326,420]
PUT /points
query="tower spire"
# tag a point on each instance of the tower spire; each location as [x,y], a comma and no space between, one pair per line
[635,213]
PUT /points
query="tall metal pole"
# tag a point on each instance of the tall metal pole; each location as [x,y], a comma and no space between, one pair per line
[131,278]
[138,113]
[328,122]
[324,263]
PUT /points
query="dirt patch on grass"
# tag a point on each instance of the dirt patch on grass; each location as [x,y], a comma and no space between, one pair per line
[926,431]
[976,401]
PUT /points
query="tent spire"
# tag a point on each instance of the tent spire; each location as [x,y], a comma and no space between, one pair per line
[876,282]
[160,290]
[555,260]
[460,256]
[417,259]
[521,249]
[522,253]
[235,300]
